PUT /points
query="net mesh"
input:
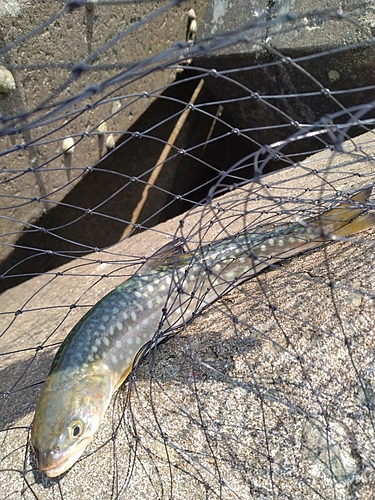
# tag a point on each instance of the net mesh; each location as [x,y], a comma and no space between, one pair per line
[107,154]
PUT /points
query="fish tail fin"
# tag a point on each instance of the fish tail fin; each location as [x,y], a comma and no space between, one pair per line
[349,217]
[361,223]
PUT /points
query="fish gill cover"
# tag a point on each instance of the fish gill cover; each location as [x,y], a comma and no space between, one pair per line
[128,124]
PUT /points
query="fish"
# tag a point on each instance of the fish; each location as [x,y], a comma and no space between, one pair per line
[168,290]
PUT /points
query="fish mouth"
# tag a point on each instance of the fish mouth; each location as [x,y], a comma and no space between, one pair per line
[54,463]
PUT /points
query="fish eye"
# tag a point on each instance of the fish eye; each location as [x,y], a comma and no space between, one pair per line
[76,429]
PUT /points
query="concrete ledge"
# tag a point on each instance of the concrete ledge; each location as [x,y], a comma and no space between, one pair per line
[292,375]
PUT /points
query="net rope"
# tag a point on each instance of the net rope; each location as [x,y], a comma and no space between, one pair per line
[269,392]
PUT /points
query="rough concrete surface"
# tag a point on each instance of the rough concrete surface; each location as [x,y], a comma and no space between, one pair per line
[298,68]
[35,172]
[247,401]
[42,64]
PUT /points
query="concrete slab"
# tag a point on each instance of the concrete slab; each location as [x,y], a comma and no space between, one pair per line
[276,403]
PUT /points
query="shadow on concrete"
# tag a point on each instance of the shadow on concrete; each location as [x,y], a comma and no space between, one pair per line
[69,230]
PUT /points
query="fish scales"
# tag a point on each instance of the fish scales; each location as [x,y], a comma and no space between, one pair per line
[169,290]
[114,331]
[128,316]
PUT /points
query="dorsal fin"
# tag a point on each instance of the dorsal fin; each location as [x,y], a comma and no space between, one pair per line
[167,255]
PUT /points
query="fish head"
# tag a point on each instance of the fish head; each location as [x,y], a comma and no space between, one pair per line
[66,418]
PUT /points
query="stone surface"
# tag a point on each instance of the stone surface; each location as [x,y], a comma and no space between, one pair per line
[7,83]
[41,43]
[300,63]
[50,200]
[276,403]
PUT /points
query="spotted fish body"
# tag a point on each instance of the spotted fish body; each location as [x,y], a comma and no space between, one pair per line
[170,289]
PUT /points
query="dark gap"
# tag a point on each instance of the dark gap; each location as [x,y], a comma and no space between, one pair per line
[192,173]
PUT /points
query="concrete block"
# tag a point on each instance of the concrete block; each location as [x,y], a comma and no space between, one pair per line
[55,55]
[300,63]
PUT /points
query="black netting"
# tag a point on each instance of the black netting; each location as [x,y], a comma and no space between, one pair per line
[127,124]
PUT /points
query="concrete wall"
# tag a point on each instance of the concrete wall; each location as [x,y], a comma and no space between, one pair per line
[40,42]
[328,44]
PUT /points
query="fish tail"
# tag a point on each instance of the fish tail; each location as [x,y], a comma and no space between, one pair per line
[361,223]
[349,217]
